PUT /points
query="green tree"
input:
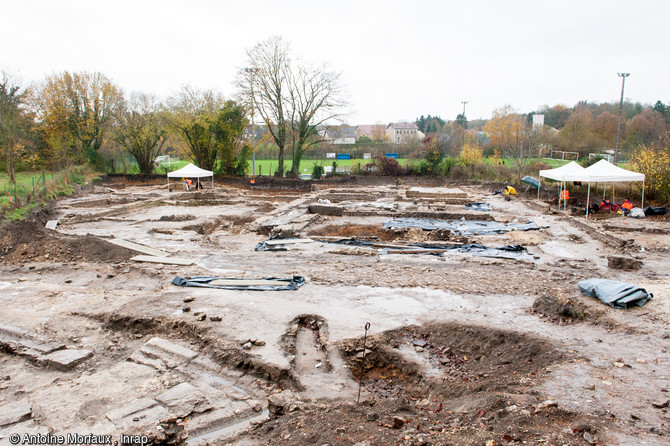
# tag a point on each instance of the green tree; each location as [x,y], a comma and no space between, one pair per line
[192,113]
[14,122]
[77,108]
[141,130]
[227,127]
[433,154]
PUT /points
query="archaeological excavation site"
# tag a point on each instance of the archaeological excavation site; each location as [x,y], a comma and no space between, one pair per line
[357,311]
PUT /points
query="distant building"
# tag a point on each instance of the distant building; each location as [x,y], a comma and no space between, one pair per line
[376,132]
[403,132]
[343,134]
[538,122]
[257,131]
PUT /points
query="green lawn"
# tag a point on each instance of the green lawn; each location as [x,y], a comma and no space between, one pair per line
[268,167]
[30,190]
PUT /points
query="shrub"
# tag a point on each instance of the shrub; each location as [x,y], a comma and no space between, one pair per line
[654,163]
[317,171]
[388,166]
[470,154]
[586,162]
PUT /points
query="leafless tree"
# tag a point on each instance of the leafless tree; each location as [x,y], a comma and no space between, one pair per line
[314,98]
[291,96]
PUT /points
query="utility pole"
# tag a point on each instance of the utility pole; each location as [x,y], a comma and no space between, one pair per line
[463,116]
[252,72]
[623,77]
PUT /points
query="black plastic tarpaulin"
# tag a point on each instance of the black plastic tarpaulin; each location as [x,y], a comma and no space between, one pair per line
[460,227]
[616,294]
[484,207]
[274,284]
[516,252]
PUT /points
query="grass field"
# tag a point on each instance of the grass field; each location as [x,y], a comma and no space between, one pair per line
[268,167]
[32,188]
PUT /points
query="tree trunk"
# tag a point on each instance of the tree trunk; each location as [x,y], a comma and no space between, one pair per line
[10,161]
[280,163]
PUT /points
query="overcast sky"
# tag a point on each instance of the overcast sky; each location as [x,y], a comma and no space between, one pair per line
[398,59]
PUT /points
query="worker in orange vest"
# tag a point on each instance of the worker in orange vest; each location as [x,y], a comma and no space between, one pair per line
[565,194]
[627,205]
[252,182]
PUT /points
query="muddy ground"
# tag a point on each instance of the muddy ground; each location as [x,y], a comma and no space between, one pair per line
[461,349]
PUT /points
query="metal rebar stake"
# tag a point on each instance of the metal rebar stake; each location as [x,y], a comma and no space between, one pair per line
[360,380]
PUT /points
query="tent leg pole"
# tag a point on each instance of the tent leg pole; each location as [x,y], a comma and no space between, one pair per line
[588,196]
[642,205]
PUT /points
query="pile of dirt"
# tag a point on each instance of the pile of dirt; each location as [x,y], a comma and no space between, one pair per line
[559,309]
[440,384]
[28,240]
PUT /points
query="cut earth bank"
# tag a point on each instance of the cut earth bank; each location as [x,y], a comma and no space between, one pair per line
[461,349]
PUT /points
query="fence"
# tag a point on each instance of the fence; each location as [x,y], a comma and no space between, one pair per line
[31,187]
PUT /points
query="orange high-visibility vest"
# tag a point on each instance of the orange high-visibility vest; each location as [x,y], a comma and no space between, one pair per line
[565,194]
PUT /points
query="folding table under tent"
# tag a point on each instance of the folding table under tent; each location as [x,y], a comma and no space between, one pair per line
[190,171]
[605,172]
[559,174]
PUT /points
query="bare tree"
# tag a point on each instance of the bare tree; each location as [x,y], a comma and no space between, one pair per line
[314,98]
[264,83]
[292,97]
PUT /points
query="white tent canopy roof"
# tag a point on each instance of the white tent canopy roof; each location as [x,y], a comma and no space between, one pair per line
[606,172]
[559,173]
[190,171]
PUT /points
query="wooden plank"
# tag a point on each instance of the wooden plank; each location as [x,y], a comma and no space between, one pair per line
[51,224]
[136,247]
[165,260]
[248,282]
[292,241]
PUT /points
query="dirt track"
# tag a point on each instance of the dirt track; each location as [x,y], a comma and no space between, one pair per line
[461,349]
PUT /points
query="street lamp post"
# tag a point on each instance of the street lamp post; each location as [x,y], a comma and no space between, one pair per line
[463,120]
[252,72]
[623,77]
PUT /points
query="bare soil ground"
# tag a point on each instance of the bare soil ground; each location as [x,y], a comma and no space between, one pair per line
[461,349]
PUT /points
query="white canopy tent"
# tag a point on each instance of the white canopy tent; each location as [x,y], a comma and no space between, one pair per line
[559,174]
[605,172]
[190,171]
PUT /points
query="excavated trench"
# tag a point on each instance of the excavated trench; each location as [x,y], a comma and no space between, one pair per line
[448,360]
[225,352]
